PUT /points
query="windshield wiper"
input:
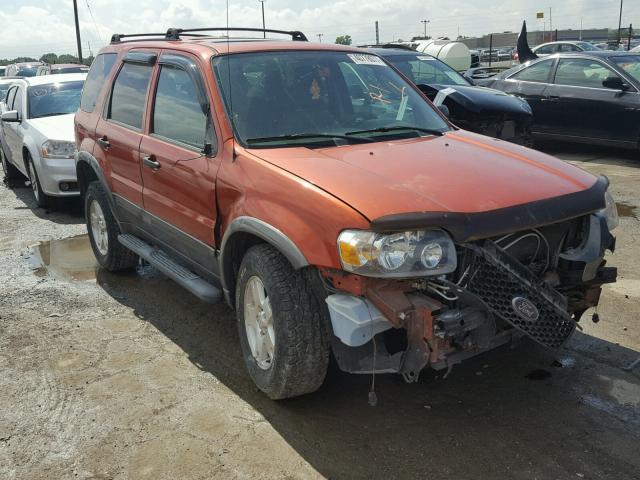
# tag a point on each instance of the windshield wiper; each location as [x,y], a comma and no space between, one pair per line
[298,136]
[431,131]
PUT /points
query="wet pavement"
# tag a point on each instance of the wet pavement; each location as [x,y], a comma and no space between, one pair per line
[129,376]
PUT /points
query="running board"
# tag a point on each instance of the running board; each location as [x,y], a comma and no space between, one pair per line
[179,274]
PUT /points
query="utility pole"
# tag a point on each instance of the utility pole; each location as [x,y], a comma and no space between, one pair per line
[424,22]
[550,22]
[75,14]
[620,26]
[580,28]
[320,35]
[264,34]
[377,34]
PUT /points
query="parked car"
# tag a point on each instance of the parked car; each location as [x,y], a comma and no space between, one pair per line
[478,109]
[357,221]
[37,134]
[550,48]
[2,70]
[57,68]
[25,69]
[589,97]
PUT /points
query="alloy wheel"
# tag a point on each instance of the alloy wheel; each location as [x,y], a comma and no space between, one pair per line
[258,322]
[99,228]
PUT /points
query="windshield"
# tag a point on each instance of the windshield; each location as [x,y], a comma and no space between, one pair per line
[277,96]
[27,71]
[587,47]
[54,99]
[630,64]
[426,70]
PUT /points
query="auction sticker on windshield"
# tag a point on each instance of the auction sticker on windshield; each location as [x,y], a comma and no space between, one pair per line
[363,59]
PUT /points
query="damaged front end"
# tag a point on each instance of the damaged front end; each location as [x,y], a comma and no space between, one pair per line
[534,282]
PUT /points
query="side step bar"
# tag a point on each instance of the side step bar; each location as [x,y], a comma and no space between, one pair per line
[160,260]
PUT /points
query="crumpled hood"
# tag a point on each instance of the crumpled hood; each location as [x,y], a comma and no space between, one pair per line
[58,127]
[480,100]
[457,172]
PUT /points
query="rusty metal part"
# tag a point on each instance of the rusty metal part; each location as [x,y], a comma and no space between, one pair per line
[347,282]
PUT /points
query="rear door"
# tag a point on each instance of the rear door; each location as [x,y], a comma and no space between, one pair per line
[582,106]
[179,162]
[119,133]
[531,84]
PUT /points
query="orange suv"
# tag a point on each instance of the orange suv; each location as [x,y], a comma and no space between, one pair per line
[332,205]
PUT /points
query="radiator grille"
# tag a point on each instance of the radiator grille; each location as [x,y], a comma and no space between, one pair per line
[498,279]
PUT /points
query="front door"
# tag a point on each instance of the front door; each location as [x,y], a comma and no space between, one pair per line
[179,164]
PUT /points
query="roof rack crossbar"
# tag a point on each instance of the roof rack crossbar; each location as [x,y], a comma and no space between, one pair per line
[117,37]
[174,33]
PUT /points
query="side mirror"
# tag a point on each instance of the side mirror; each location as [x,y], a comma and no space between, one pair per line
[11,116]
[615,83]
[444,109]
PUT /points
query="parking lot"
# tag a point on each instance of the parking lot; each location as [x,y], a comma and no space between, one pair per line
[129,376]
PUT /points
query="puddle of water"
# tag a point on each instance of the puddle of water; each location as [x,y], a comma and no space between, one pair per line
[626,210]
[66,259]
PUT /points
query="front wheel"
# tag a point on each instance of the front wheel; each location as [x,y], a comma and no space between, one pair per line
[104,230]
[281,324]
[42,199]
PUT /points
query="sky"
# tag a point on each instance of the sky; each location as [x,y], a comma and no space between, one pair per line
[34,27]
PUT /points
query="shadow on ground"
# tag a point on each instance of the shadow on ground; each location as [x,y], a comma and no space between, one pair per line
[487,420]
[65,211]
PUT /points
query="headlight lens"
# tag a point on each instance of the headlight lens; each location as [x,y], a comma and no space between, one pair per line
[611,211]
[415,253]
[58,149]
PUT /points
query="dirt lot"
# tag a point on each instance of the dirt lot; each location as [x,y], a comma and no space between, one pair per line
[128,376]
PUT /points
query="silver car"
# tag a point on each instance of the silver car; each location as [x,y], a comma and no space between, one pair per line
[36,135]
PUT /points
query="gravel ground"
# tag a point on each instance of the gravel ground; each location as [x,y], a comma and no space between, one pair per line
[128,376]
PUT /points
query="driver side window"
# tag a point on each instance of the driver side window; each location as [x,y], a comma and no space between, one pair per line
[580,72]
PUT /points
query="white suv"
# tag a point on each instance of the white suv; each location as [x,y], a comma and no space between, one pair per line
[36,135]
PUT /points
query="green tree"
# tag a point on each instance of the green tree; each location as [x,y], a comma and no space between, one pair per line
[343,40]
[66,58]
[49,58]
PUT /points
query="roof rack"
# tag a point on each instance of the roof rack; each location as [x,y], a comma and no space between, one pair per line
[175,33]
[117,37]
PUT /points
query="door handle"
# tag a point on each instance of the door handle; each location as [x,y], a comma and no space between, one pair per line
[104,143]
[151,162]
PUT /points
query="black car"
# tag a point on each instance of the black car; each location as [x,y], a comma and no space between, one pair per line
[478,109]
[587,97]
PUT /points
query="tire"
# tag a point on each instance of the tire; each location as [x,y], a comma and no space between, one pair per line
[111,254]
[42,199]
[300,336]
[11,173]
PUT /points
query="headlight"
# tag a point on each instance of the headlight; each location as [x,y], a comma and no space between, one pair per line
[398,255]
[611,211]
[58,149]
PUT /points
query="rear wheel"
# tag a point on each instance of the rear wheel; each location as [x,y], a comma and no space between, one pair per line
[281,325]
[104,230]
[42,199]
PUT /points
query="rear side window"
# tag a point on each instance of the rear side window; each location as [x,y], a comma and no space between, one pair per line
[98,73]
[129,94]
[538,72]
[177,113]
